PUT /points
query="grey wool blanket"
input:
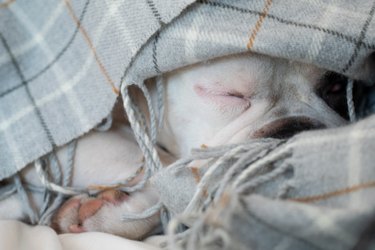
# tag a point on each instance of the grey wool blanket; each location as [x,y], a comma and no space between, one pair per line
[64,63]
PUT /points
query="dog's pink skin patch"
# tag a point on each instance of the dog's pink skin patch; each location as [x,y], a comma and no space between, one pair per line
[89,208]
[76,229]
[221,96]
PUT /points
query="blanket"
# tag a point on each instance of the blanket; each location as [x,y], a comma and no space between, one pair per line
[15,235]
[64,63]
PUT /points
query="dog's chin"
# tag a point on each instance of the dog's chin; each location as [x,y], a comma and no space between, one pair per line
[287,127]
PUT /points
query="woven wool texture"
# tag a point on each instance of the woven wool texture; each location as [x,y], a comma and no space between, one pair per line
[63,63]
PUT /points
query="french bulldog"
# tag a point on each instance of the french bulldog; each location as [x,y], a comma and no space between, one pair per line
[225,100]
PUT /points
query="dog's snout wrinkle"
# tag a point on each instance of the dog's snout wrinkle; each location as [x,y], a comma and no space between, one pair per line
[288,127]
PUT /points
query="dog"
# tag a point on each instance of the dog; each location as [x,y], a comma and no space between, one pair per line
[226,100]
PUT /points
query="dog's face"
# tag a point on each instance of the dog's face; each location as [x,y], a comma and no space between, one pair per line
[236,98]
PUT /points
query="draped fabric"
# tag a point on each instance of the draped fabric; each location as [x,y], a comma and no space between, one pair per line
[62,64]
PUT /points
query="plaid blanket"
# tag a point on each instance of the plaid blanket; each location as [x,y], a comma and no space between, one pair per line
[62,64]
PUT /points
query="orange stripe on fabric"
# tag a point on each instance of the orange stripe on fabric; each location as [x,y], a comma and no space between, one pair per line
[258,24]
[335,193]
[88,40]
[6,3]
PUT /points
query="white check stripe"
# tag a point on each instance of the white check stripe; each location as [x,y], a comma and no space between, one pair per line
[68,85]
[37,36]
[75,104]
[13,149]
[355,164]
[192,35]
[329,224]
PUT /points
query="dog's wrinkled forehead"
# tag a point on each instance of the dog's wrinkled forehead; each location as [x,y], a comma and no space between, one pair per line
[250,72]
[235,81]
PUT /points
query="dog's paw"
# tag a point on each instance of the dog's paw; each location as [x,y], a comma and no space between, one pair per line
[104,212]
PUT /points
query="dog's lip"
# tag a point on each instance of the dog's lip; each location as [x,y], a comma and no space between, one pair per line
[287,127]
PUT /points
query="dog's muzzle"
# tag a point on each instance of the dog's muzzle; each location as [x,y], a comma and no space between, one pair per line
[287,127]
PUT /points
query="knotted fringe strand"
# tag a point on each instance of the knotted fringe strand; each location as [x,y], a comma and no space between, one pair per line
[142,137]
[147,145]
[349,100]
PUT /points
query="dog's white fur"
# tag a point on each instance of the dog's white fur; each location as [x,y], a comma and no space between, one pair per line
[226,100]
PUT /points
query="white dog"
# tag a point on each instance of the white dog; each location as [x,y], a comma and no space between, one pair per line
[226,100]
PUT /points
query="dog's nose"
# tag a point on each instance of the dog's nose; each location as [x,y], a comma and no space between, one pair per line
[287,127]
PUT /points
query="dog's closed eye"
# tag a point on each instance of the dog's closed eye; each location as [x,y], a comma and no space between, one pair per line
[222,96]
